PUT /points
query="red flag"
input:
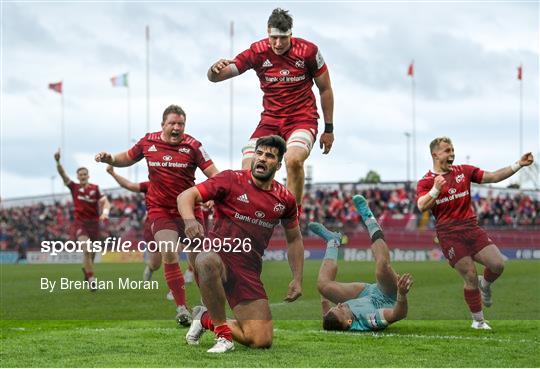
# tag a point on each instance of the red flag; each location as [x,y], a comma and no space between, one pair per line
[410,71]
[56,87]
[520,72]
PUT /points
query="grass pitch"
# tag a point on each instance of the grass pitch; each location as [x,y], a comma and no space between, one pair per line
[126,328]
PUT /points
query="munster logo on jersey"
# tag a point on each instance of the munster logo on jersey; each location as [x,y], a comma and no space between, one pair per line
[259,214]
[460,177]
[300,64]
[279,208]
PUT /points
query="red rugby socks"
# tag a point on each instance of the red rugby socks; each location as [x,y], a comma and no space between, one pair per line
[473,299]
[223,331]
[206,322]
[175,281]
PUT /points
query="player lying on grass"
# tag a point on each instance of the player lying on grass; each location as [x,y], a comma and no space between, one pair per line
[361,306]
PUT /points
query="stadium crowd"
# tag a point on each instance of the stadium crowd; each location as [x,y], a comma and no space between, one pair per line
[23,227]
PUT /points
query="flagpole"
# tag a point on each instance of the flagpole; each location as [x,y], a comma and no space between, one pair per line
[520,179]
[62,125]
[231,101]
[128,120]
[413,93]
[147,78]
[521,112]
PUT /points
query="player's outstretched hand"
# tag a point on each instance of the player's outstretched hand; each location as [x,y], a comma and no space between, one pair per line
[110,169]
[103,217]
[295,291]
[193,229]
[404,283]
[104,157]
[439,182]
[220,64]
[526,160]
[325,141]
[57,156]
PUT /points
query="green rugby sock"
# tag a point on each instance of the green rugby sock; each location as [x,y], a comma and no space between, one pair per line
[331,250]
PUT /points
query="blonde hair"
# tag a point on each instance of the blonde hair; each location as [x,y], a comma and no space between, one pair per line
[434,145]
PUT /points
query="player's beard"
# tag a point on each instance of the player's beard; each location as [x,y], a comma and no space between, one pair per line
[268,175]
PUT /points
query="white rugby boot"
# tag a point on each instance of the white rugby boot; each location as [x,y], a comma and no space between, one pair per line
[196,329]
[222,345]
[183,316]
[480,324]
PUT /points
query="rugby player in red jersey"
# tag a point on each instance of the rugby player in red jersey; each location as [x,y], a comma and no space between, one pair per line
[154,258]
[446,191]
[172,157]
[287,67]
[248,204]
[87,201]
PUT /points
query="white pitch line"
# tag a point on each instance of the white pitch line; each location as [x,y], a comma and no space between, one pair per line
[320,331]
[418,336]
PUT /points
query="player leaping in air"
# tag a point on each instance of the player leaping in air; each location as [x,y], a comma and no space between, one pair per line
[361,306]
[286,67]
[446,191]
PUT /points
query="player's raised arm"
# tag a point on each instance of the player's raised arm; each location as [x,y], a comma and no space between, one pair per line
[428,200]
[399,311]
[295,255]
[122,181]
[60,168]
[506,172]
[186,202]
[327,104]
[105,206]
[118,160]
[221,70]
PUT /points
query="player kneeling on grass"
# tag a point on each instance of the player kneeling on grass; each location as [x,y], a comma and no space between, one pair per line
[361,306]
[248,204]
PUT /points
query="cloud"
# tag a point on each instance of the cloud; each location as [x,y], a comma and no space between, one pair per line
[465,57]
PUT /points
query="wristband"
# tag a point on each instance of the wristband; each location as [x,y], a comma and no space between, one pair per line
[113,159]
[328,127]
[515,167]
[105,212]
[434,192]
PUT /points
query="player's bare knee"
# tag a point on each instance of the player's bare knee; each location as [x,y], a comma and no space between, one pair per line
[169,257]
[207,265]
[293,163]
[262,339]
[322,285]
[497,267]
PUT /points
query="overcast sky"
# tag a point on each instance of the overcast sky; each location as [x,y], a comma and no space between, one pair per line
[466,57]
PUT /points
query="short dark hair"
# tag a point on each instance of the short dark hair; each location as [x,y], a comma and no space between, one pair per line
[82,168]
[273,141]
[174,109]
[280,19]
[331,322]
